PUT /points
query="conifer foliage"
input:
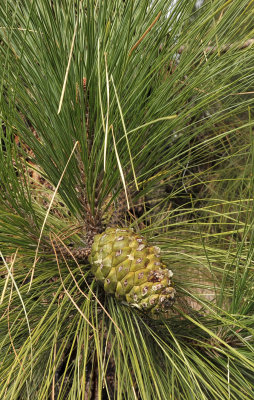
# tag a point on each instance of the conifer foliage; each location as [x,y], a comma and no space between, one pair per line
[129,116]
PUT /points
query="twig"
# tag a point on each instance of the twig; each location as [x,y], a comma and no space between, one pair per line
[235,94]
[223,49]
[144,34]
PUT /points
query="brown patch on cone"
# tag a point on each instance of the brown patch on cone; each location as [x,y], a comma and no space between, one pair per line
[155,276]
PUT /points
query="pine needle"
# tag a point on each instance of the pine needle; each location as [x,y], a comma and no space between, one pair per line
[66,291]
[94,295]
[47,214]
[120,168]
[107,115]
[7,278]
[21,300]
[125,133]
[67,68]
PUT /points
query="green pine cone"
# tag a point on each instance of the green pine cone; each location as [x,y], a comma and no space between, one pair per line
[131,270]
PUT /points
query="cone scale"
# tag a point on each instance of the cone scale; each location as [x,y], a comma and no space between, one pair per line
[130,269]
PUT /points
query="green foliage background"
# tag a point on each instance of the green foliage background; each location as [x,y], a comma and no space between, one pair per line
[166,110]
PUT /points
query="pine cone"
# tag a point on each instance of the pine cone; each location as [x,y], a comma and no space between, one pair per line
[131,270]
